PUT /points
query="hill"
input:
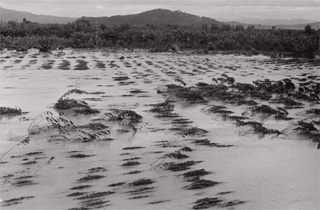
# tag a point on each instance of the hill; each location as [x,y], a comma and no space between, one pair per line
[7,15]
[157,17]
[275,21]
[315,25]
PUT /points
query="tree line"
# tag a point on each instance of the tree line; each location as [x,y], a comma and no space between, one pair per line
[83,34]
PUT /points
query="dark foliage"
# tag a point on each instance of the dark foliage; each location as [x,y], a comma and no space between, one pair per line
[200,184]
[83,34]
[10,111]
[205,203]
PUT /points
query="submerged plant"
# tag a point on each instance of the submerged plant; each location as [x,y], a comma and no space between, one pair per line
[306,130]
[257,128]
[126,118]
[25,141]
[10,111]
[47,121]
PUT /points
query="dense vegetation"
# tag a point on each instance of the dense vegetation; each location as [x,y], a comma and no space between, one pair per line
[83,34]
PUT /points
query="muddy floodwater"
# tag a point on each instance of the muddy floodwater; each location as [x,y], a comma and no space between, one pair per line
[193,155]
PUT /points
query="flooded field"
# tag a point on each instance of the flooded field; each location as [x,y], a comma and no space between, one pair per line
[158,131]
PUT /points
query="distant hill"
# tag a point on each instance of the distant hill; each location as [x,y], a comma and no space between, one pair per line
[7,15]
[315,25]
[157,17]
[275,21]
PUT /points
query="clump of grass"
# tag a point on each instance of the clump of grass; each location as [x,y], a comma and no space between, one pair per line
[184,93]
[260,130]
[157,202]
[222,112]
[193,131]
[306,130]
[131,163]
[125,116]
[96,195]
[90,178]
[137,91]
[21,183]
[163,107]
[73,91]
[134,158]
[81,65]
[80,187]
[122,78]
[69,103]
[181,121]
[186,149]
[89,137]
[79,107]
[15,201]
[133,172]
[48,64]
[94,126]
[139,197]
[29,163]
[248,123]
[164,110]
[100,64]
[66,103]
[200,172]
[141,190]
[267,111]
[86,111]
[64,65]
[206,142]
[117,184]
[10,111]
[288,103]
[141,182]
[94,204]
[181,82]
[47,120]
[96,170]
[205,203]
[200,184]
[132,148]
[80,156]
[177,155]
[177,166]
[214,108]
[76,194]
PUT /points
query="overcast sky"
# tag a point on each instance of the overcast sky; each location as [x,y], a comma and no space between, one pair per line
[218,9]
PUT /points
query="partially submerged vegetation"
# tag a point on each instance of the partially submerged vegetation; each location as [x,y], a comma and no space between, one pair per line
[205,203]
[254,108]
[10,111]
[226,90]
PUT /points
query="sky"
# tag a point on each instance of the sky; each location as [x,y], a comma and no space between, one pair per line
[225,10]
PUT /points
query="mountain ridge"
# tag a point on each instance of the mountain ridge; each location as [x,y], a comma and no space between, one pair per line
[155,16]
[7,15]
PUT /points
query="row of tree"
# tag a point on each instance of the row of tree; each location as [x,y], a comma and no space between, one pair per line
[83,34]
